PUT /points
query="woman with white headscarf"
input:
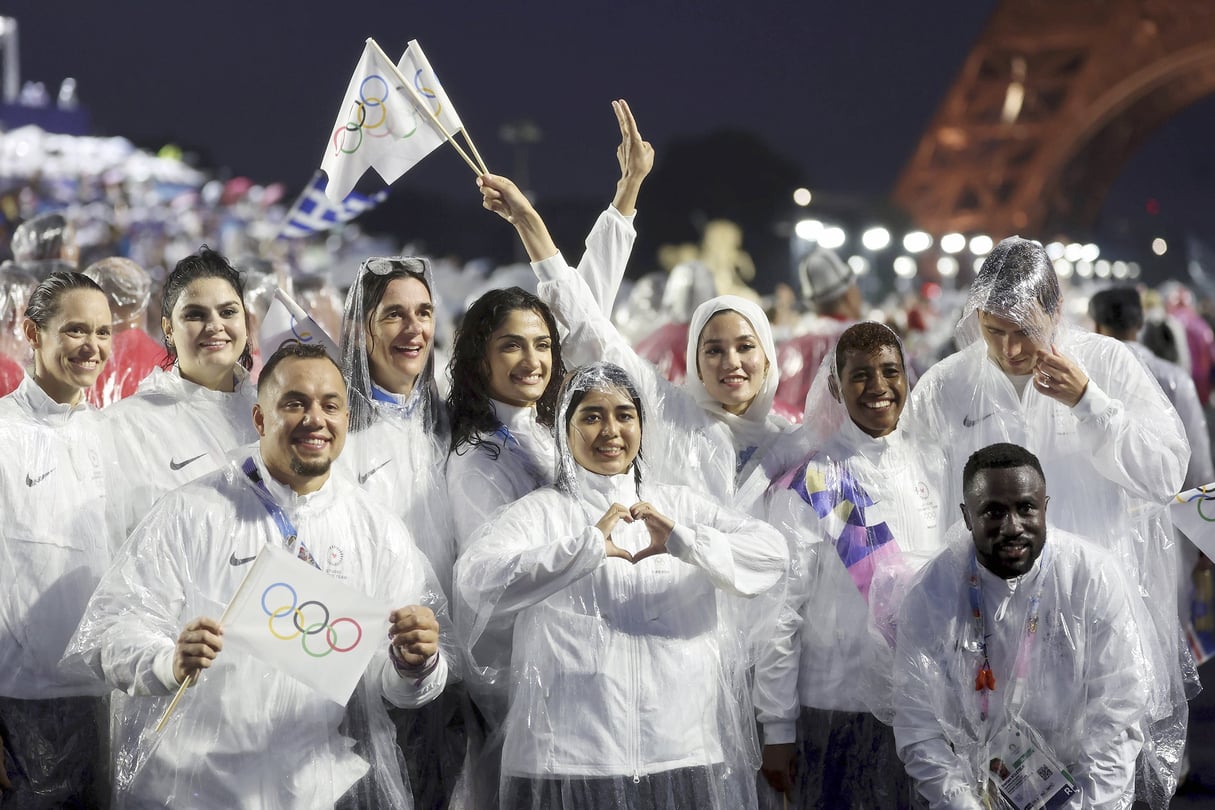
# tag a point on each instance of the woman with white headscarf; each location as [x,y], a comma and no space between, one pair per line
[615,601]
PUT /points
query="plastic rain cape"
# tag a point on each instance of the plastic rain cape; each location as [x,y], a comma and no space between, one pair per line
[1091,686]
[627,682]
[1112,462]
[246,735]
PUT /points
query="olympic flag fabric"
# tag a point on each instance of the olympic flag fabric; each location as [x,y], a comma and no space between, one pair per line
[292,616]
[314,212]
[286,320]
[380,125]
[1193,513]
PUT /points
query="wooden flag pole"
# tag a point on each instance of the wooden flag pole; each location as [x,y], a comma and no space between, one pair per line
[476,154]
[420,104]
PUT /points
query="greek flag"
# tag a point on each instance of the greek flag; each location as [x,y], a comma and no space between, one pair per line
[313,212]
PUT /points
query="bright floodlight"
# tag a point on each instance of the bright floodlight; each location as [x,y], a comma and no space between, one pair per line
[953,243]
[1073,251]
[859,264]
[1132,269]
[981,245]
[947,266]
[1119,269]
[1159,246]
[1083,269]
[977,265]
[832,238]
[1063,268]
[875,238]
[808,229]
[917,242]
[802,196]
[1090,252]
[1109,268]
[1054,250]
[904,266]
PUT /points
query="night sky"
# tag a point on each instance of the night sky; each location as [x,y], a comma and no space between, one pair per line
[842,89]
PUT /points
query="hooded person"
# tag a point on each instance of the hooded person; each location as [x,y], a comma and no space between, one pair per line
[45,244]
[135,354]
[54,547]
[612,604]
[862,510]
[248,735]
[1023,667]
[396,451]
[722,432]
[1111,445]
[182,421]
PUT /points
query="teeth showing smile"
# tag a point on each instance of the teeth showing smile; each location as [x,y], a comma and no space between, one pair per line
[530,379]
[313,444]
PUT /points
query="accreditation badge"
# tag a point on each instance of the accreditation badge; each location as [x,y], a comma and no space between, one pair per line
[1026,774]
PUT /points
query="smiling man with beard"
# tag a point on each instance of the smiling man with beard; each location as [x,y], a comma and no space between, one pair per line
[248,735]
[1019,657]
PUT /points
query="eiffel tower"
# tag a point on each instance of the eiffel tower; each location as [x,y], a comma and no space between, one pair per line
[1051,102]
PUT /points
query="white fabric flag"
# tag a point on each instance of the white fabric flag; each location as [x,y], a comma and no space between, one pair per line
[415,67]
[286,320]
[378,126]
[1194,513]
[306,624]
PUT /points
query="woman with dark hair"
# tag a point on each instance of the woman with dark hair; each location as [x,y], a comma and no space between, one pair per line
[505,370]
[611,603]
[53,547]
[197,408]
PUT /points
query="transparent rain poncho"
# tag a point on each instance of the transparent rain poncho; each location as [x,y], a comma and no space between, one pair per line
[397,445]
[53,550]
[1112,462]
[1087,686]
[247,735]
[168,433]
[733,457]
[861,514]
[628,684]
[134,354]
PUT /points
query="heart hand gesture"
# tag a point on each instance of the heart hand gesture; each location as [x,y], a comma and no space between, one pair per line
[659,525]
[611,517]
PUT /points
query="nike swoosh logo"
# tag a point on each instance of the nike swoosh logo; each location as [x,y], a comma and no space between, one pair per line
[969,421]
[29,482]
[234,560]
[177,465]
[364,476]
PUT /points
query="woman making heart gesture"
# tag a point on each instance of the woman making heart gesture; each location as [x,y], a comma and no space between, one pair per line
[621,598]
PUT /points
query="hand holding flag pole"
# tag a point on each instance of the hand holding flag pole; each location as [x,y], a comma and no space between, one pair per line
[189,681]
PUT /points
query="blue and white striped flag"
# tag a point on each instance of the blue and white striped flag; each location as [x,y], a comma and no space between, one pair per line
[313,212]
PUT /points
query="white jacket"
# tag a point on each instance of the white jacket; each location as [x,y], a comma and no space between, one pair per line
[619,670]
[246,735]
[168,433]
[53,541]
[1088,684]
[823,655]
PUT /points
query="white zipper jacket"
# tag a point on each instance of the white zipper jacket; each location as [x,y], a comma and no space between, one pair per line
[53,541]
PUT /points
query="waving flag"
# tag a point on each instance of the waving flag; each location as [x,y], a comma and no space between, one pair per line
[301,621]
[314,212]
[378,126]
[286,320]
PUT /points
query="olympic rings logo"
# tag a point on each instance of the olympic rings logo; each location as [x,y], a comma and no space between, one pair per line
[373,96]
[303,629]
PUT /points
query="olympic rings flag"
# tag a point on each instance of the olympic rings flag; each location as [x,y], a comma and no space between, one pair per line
[308,625]
[1193,512]
[379,125]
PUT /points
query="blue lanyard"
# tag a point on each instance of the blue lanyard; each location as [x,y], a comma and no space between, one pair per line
[285,526]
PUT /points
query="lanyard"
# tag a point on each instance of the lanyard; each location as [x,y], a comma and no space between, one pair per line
[510,441]
[285,526]
[985,678]
[406,408]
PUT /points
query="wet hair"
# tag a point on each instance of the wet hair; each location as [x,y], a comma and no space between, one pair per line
[594,377]
[206,263]
[44,301]
[39,238]
[1015,272]
[296,350]
[1002,456]
[867,338]
[1161,341]
[1117,308]
[468,402]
